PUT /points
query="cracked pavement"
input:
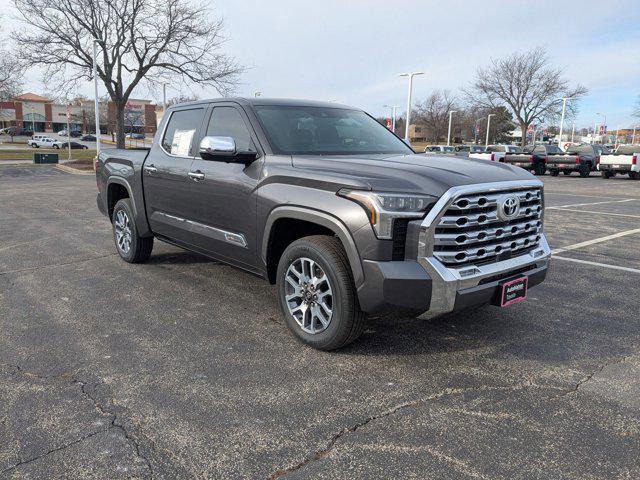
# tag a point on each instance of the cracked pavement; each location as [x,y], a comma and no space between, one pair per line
[182,367]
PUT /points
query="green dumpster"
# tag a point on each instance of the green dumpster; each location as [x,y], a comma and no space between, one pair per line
[45,158]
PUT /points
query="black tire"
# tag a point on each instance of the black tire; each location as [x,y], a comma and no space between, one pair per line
[567,172]
[634,176]
[540,169]
[140,248]
[605,174]
[347,321]
[554,172]
[56,147]
[585,170]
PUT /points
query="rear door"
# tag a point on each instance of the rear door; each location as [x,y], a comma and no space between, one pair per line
[223,200]
[167,189]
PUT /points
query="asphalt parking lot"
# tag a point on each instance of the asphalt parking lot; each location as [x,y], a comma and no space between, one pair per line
[183,368]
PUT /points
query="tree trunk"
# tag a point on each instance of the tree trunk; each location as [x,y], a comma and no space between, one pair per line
[523,129]
[120,140]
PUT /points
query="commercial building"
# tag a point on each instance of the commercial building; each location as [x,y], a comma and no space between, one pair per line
[41,114]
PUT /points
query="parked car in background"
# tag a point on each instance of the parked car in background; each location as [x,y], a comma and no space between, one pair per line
[43,141]
[138,136]
[470,148]
[74,146]
[19,131]
[578,158]
[623,161]
[4,131]
[88,138]
[495,152]
[332,207]
[440,149]
[532,157]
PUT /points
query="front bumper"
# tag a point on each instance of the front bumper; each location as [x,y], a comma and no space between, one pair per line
[453,289]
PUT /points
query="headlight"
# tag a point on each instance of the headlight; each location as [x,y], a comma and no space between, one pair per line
[382,208]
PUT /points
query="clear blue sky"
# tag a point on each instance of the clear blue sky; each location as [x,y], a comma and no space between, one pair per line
[351,51]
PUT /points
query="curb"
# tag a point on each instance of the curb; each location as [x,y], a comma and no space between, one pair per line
[73,171]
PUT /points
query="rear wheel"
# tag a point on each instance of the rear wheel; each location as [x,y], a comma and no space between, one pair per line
[566,172]
[554,173]
[539,169]
[585,170]
[606,174]
[634,175]
[316,293]
[131,247]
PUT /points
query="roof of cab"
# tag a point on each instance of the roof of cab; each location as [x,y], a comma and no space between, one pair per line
[257,101]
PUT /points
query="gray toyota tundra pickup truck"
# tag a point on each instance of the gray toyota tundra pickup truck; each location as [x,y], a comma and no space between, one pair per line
[326,203]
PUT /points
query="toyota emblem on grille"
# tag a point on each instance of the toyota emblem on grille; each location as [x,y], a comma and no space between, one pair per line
[508,207]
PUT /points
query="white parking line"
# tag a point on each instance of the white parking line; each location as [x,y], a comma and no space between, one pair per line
[596,240]
[596,264]
[557,207]
[593,211]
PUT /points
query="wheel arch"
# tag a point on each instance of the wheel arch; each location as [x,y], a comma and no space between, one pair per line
[116,187]
[324,221]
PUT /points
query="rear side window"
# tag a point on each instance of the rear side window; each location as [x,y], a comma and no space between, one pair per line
[181,130]
[227,122]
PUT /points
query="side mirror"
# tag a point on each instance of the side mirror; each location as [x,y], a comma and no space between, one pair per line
[212,147]
[224,149]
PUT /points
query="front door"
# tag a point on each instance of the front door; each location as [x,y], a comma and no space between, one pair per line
[223,200]
[165,177]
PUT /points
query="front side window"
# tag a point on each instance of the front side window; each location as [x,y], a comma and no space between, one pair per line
[301,130]
[227,122]
[180,131]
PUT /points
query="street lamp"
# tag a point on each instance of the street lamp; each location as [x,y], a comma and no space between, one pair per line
[410,75]
[564,106]
[449,131]
[95,92]
[393,116]
[486,145]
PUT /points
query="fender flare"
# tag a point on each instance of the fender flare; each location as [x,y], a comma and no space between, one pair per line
[121,181]
[321,218]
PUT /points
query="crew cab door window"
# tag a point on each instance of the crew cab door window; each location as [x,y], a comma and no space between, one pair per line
[227,122]
[180,132]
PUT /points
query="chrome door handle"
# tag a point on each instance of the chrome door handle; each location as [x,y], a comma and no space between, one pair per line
[150,168]
[197,175]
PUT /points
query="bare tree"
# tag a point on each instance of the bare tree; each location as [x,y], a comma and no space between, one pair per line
[182,98]
[433,113]
[138,40]
[636,110]
[10,75]
[527,85]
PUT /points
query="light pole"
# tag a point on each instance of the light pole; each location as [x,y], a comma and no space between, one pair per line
[564,106]
[573,130]
[164,98]
[410,75]
[633,137]
[393,116]
[486,144]
[449,131]
[95,92]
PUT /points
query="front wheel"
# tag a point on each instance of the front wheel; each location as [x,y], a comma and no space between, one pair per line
[131,247]
[606,174]
[554,173]
[540,169]
[316,293]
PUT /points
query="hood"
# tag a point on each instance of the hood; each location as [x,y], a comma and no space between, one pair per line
[432,174]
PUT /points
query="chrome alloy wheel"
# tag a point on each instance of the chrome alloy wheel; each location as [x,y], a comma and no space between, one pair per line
[123,231]
[308,295]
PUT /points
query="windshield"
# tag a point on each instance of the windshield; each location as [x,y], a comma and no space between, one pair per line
[300,130]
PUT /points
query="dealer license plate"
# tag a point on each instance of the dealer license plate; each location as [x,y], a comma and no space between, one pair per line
[513,291]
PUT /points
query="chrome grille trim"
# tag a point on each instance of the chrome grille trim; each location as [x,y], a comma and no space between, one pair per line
[449,279]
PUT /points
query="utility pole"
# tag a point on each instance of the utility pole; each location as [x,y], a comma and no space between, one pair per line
[410,75]
[449,132]
[564,107]
[69,131]
[164,98]
[95,93]
[486,144]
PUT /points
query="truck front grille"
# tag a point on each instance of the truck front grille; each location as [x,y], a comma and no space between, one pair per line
[471,231]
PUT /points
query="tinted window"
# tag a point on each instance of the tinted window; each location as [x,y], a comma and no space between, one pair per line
[553,149]
[628,149]
[495,148]
[580,149]
[227,122]
[326,131]
[180,131]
